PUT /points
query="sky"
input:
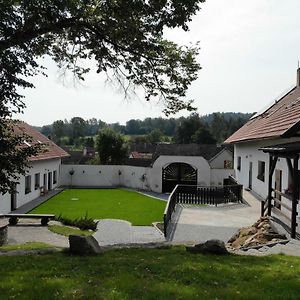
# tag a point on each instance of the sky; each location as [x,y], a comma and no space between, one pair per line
[249,54]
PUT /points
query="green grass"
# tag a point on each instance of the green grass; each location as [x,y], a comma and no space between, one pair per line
[26,246]
[66,231]
[149,274]
[105,204]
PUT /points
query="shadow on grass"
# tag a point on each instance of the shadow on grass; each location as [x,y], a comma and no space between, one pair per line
[150,274]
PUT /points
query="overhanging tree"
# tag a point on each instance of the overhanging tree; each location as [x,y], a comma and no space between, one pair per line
[124,37]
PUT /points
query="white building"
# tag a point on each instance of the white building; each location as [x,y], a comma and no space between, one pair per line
[42,176]
[278,124]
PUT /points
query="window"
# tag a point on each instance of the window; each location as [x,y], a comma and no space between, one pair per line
[227,164]
[27,184]
[36,181]
[54,177]
[261,170]
[239,163]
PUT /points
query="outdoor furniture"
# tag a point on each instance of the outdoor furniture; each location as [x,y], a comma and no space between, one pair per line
[14,218]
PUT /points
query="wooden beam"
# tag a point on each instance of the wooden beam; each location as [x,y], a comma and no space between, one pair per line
[272,165]
[295,197]
[290,166]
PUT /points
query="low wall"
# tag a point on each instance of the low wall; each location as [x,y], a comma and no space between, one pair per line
[217,175]
[132,177]
[106,176]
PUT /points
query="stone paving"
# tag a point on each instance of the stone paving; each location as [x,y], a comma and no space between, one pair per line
[197,224]
[115,232]
[32,231]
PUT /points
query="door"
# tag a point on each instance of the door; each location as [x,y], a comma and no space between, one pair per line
[250,175]
[278,187]
[49,181]
[45,182]
[13,199]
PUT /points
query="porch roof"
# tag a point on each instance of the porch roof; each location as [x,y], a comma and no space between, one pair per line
[282,149]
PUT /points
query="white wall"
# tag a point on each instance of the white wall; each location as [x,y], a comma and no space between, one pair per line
[42,167]
[248,151]
[218,175]
[4,203]
[218,161]
[137,177]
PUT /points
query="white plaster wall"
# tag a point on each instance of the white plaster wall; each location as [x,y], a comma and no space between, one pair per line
[218,161]
[41,167]
[198,162]
[5,203]
[218,175]
[89,175]
[248,151]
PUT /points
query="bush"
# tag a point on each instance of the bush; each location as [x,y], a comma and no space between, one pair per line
[83,223]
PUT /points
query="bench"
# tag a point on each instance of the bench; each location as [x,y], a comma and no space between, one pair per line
[14,218]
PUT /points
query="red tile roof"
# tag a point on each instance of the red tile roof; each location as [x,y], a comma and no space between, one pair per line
[50,149]
[276,121]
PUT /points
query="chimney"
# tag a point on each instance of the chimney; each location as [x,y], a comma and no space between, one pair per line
[298,77]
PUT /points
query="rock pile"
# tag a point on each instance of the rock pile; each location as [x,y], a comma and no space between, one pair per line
[259,234]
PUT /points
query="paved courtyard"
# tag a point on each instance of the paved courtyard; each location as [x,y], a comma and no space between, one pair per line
[200,223]
[115,232]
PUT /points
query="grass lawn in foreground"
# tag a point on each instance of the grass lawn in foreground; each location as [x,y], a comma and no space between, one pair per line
[105,204]
[149,274]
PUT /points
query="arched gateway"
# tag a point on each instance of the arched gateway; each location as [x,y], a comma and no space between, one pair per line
[178,173]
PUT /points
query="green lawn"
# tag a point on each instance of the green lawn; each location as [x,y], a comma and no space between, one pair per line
[66,230]
[105,204]
[149,274]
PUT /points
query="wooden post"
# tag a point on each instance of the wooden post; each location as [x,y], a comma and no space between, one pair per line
[270,186]
[295,197]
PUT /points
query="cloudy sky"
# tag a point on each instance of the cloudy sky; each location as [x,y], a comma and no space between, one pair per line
[249,53]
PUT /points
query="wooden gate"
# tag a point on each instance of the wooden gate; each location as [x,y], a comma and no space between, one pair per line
[178,173]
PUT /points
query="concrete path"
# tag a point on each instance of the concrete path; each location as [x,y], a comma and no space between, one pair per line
[115,232]
[31,231]
[192,224]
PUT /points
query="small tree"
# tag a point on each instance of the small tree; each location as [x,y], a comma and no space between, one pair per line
[111,147]
[155,136]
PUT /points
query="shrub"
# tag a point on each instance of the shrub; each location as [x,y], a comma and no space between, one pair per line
[83,223]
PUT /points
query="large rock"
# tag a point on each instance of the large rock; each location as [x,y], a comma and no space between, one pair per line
[83,245]
[3,232]
[210,246]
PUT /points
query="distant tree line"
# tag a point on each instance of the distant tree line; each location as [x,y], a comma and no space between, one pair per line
[207,129]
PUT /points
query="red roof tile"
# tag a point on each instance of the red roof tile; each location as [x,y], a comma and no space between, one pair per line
[274,122]
[50,149]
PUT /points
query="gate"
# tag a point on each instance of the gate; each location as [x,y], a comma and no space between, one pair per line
[178,173]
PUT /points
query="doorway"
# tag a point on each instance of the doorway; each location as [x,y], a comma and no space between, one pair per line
[250,175]
[178,173]
[13,198]
[49,181]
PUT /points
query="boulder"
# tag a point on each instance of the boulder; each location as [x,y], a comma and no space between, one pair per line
[83,245]
[210,246]
[3,232]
